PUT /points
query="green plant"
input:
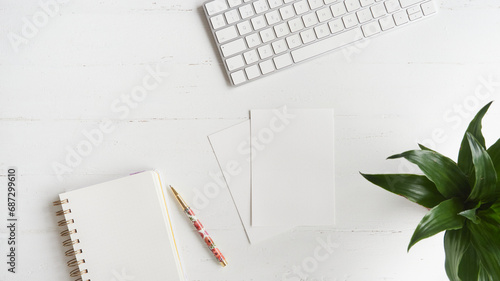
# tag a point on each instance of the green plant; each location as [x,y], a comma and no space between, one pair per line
[463,199]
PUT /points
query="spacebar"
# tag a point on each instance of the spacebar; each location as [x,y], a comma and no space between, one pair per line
[326,45]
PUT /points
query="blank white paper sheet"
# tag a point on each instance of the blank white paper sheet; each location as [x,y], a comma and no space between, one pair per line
[232,149]
[292,167]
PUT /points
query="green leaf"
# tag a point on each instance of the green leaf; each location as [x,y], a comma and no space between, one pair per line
[415,188]
[494,152]
[471,214]
[464,155]
[485,237]
[450,181]
[456,243]
[486,178]
[483,275]
[469,265]
[442,217]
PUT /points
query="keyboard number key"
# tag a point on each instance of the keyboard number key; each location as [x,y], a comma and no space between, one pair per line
[275,3]
[387,23]
[287,12]
[266,67]
[238,77]
[252,72]
[234,62]
[273,17]
[216,6]
[246,11]
[283,61]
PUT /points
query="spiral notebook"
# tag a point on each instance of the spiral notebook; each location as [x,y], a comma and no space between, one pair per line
[120,230]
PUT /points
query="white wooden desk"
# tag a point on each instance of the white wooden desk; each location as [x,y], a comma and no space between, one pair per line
[419,84]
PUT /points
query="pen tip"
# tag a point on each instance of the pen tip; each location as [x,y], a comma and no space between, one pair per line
[173,190]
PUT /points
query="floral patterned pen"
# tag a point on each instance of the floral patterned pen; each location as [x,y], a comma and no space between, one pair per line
[201,230]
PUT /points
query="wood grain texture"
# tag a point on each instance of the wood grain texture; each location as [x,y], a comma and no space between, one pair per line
[417,84]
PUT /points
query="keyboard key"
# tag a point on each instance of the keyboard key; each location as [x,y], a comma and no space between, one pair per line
[365,3]
[414,13]
[293,41]
[217,21]
[400,18]
[266,67]
[216,6]
[350,20]
[252,72]
[232,16]
[391,6]
[327,44]
[322,31]
[244,27]
[260,6]
[279,46]
[226,34]
[308,36]
[324,14]
[296,24]
[265,51]
[416,16]
[258,22]
[281,30]
[267,35]
[428,8]
[287,12]
[275,3]
[310,19]
[234,3]
[251,56]
[378,10]
[387,23]
[232,48]
[301,7]
[253,40]
[364,15]
[283,61]
[273,17]
[336,26]
[371,28]
[238,77]
[352,5]
[246,11]
[234,62]
[408,3]
[314,4]
[330,1]
[338,9]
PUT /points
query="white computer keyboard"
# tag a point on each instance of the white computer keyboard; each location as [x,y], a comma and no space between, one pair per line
[258,37]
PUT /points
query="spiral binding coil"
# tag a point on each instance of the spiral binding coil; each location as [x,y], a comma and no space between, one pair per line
[69,243]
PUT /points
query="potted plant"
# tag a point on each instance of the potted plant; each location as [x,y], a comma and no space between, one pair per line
[463,198]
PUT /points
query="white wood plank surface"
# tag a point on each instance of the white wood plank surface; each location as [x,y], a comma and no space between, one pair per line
[420,84]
